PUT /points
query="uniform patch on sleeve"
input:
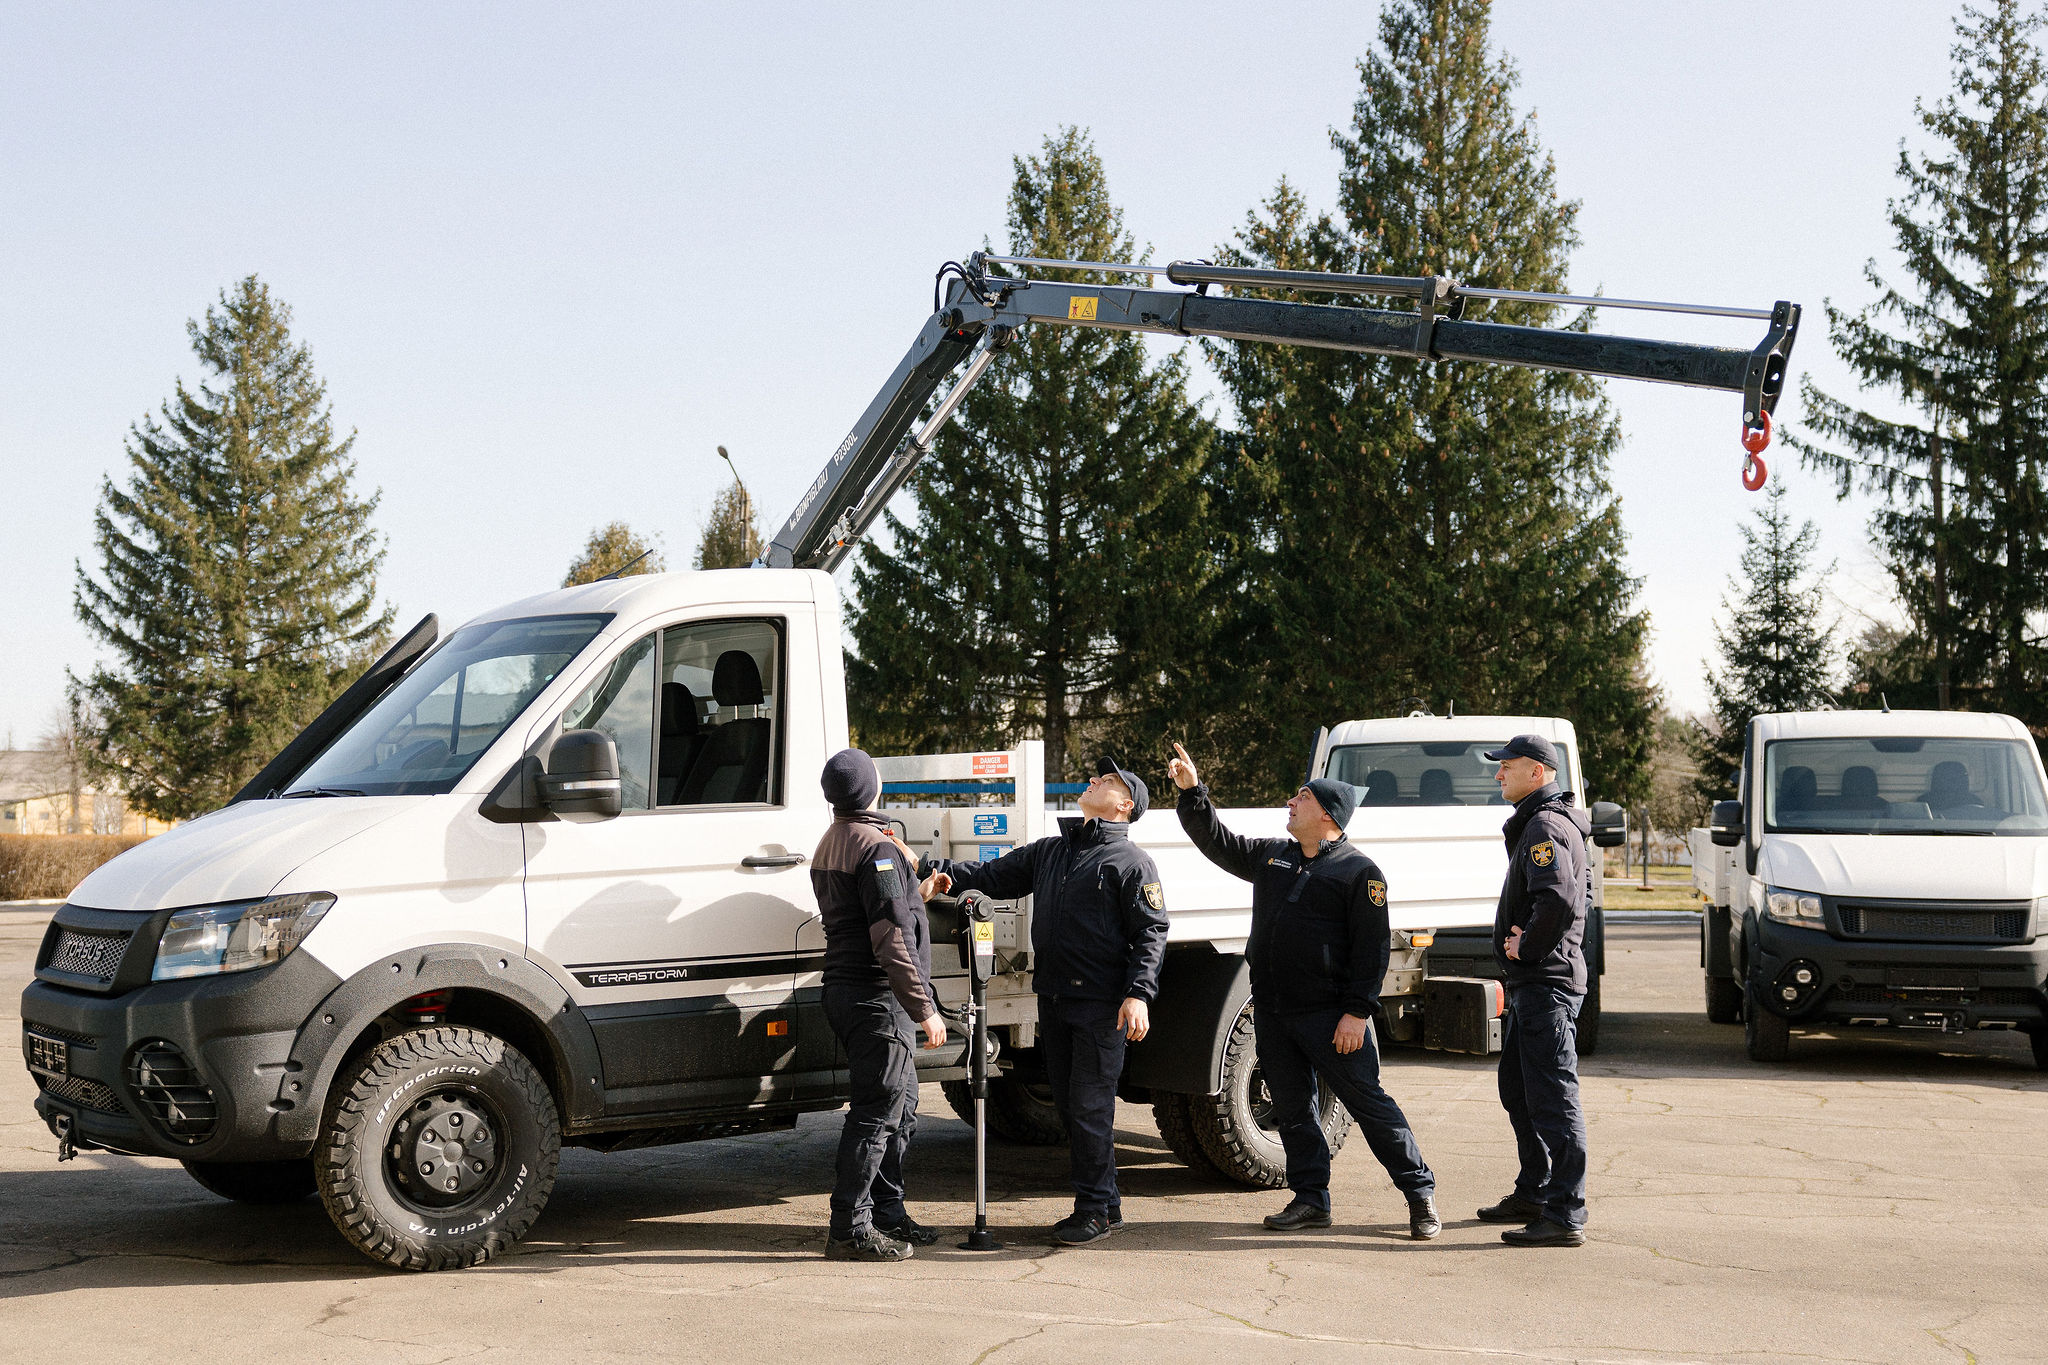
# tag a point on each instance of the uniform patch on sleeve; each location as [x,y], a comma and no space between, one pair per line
[1155,895]
[1376,892]
[887,880]
[1543,854]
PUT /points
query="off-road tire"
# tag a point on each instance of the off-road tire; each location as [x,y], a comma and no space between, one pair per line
[1176,1128]
[960,1095]
[1227,1126]
[1587,1032]
[1766,1036]
[2039,1038]
[255,1182]
[364,1124]
[1018,1111]
[1724,1000]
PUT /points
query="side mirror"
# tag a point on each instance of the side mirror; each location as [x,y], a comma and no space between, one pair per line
[1610,825]
[582,782]
[1724,826]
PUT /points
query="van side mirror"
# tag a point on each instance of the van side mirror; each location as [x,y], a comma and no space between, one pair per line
[582,782]
[1610,825]
[1724,826]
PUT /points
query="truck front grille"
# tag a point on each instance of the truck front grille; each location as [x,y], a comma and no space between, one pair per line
[170,1088]
[87,1094]
[84,952]
[1933,920]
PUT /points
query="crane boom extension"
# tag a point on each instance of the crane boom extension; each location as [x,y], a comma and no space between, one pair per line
[981,311]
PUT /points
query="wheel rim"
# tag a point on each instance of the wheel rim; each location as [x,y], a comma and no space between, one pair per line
[1260,1101]
[443,1151]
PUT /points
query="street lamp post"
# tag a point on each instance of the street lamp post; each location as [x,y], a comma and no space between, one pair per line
[746,498]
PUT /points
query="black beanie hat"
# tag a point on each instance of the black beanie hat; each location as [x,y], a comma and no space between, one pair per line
[850,781]
[1338,799]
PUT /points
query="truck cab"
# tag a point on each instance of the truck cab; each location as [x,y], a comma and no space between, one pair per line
[1880,869]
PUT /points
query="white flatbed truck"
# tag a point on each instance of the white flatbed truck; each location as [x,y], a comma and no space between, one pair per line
[543,881]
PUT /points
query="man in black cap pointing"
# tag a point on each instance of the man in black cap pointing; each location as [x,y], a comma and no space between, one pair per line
[1538,942]
[1098,936]
[1318,952]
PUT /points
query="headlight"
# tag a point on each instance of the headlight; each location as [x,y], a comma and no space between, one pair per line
[234,938]
[1793,907]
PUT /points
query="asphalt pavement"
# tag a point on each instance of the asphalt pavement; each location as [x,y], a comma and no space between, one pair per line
[1879,1199]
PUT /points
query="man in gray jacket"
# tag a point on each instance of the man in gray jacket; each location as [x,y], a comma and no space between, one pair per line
[878,995]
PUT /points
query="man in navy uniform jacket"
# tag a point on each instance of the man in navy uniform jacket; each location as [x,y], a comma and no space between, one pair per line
[1318,953]
[1539,944]
[1098,936]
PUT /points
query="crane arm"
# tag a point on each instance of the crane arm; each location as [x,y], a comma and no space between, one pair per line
[981,311]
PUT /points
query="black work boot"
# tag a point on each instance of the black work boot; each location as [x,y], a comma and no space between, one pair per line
[1513,1209]
[1297,1216]
[1544,1233]
[866,1244]
[909,1230]
[1423,1223]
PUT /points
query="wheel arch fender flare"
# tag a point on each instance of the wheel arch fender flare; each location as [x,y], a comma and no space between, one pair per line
[350,1009]
[1201,993]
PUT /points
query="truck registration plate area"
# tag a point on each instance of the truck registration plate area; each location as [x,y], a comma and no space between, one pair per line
[1931,980]
[51,1056]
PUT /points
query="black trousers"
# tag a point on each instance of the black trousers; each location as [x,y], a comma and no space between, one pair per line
[1298,1057]
[880,1043]
[1084,1057]
[1539,1087]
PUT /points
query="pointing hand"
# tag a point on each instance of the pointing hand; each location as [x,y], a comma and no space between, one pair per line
[1181,769]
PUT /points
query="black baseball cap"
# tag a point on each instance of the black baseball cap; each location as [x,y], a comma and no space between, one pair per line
[1527,746]
[1141,800]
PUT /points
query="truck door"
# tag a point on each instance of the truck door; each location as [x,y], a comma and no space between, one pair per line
[674,926]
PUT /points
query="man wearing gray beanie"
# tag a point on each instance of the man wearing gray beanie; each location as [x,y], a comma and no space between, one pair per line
[1318,952]
[878,994]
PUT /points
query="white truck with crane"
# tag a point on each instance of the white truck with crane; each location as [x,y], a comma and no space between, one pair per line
[542,881]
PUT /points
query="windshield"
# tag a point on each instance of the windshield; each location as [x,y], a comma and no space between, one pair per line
[1903,786]
[430,729]
[1434,773]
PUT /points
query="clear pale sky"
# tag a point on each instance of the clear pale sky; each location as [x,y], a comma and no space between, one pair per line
[548,257]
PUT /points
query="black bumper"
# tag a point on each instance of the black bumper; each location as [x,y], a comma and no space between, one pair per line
[1952,986]
[196,1069]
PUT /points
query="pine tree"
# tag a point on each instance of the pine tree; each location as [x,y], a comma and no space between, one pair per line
[614,548]
[1777,649]
[1046,585]
[237,579]
[1408,530]
[1964,522]
[732,535]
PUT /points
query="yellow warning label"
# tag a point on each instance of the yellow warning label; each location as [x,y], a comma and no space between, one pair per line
[984,931]
[1080,310]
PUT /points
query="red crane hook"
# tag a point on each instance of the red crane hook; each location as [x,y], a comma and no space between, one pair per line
[1754,439]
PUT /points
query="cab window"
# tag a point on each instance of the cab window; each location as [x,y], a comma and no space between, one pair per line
[719,730]
[621,704]
[1426,773]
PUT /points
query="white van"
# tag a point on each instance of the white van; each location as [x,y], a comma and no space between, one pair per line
[1884,869]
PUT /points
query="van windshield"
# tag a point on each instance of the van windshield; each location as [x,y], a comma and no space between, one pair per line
[424,734]
[1902,785]
[1426,773]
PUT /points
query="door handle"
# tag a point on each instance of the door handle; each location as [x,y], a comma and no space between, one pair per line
[771,860]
